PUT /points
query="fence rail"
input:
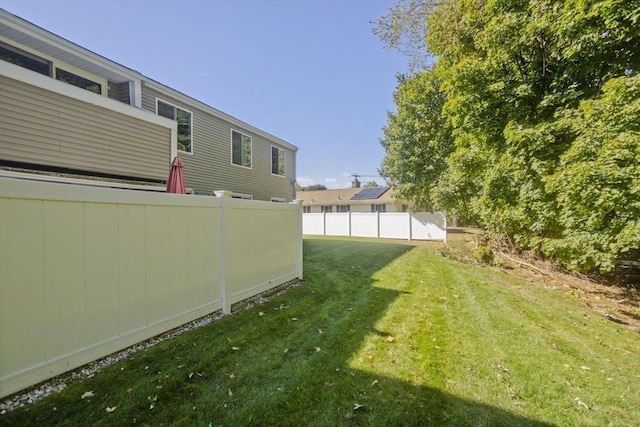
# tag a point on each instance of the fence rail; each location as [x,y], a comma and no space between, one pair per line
[410,226]
[88,271]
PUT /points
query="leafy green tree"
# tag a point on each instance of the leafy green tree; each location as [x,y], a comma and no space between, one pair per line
[517,81]
[598,181]
[417,139]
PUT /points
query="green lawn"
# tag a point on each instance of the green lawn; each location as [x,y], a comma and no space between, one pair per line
[379,334]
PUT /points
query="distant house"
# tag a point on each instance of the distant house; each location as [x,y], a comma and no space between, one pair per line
[67,110]
[367,199]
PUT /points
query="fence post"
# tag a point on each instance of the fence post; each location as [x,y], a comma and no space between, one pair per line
[324,223]
[410,226]
[378,222]
[224,196]
[299,253]
[349,223]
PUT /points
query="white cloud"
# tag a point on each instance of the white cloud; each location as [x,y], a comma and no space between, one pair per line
[330,180]
[304,181]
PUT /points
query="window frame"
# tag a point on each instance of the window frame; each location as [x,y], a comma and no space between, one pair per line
[175,113]
[250,149]
[326,209]
[343,208]
[306,209]
[374,207]
[284,162]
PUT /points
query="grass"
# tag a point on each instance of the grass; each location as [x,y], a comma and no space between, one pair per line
[379,334]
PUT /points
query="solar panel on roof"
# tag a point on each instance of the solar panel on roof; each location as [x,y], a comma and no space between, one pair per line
[370,193]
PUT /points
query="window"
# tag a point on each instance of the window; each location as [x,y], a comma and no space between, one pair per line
[405,208]
[378,208]
[326,208]
[306,209]
[79,81]
[277,161]
[25,60]
[344,208]
[240,149]
[183,117]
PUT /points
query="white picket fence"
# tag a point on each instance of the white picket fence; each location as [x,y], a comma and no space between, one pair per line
[409,226]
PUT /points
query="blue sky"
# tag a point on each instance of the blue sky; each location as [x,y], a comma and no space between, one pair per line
[308,71]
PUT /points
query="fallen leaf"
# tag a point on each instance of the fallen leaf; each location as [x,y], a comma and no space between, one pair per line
[389,338]
[320,331]
[191,374]
[261,313]
[317,349]
[357,406]
[294,318]
[232,376]
[235,348]
[87,395]
[581,403]
[374,383]
[152,406]
[586,368]
[110,410]
[129,390]
[230,393]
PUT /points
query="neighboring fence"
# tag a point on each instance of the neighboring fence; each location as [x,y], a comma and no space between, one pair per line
[88,271]
[410,226]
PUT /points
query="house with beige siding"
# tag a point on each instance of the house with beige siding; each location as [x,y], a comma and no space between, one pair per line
[65,110]
[355,199]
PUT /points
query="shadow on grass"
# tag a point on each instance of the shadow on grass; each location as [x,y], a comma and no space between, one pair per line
[283,363]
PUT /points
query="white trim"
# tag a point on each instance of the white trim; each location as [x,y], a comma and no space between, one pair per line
[176,121]
[284,153]
[135,93]
[231,151]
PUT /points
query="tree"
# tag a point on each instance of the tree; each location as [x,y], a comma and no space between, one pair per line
[417,139]
[313,187]
[371,183]
[518,79]
[598,181]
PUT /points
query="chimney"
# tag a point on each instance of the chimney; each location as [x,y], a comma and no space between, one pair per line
[355,183]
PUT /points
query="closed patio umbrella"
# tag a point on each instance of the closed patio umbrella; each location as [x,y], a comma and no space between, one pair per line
[175,183]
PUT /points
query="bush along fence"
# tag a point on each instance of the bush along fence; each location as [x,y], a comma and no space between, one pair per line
[87,271]
[410,226]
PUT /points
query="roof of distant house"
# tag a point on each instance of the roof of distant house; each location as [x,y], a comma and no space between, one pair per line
[347,196]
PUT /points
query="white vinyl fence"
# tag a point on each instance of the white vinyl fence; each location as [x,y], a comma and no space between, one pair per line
[88,271]
[410,226]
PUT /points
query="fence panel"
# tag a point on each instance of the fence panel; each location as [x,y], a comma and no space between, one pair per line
[313,224]
[364,224]
[429,226]
[418,226]
[87,271]
[395,226]
[263,240]
[338,224]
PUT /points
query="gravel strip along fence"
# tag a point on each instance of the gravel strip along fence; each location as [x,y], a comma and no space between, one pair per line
[57,384]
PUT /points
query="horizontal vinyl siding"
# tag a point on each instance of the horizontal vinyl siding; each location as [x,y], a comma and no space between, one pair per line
[41,127]
[209,168]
